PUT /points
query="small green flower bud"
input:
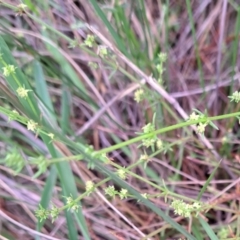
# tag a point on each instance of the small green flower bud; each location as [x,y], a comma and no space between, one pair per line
[102,51]
[148,128]
[15,160]
[159,144]
[193,117]
[71,204]
[22,92]
[73,44]
[89,186]
[110,191]
[148,142]
[41,213]
[139,95]
[201,128]
[162,57]
[31,125]
[54,213]
[121,172]
[235,97]
[123,193]
[144,157]
[90,40]
[22,6]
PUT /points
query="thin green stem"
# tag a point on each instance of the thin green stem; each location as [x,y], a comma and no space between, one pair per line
[166,129]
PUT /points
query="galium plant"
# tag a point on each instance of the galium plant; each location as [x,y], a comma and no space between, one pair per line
[148,138]
[151,140]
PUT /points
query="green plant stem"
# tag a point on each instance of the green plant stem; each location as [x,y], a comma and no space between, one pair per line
[166,129]
[159,131]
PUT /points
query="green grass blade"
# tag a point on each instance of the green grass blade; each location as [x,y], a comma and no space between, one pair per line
[208,229]
[69,187]
[208,181]
[65,110]
[196,231]
[72,232]
[66,67]
[42,91]
[84,230]
[47,193]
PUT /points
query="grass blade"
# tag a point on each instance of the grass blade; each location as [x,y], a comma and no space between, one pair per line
[208,181]
[208,229]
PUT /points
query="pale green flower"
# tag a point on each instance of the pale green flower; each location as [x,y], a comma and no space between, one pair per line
[121,172]
[123,193]
[139,95]
[22,6]
[8,70]
[89,186]
[110,190]
[23,92]
[194,117]
[159,144]
[89,41]
[235,97]
[41,213]
[148,142]
[71,204]
[102,51]
[148,128]
[54,212]
[201,128]
[15,160]
[31,125]
[144,157]
[162,57]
